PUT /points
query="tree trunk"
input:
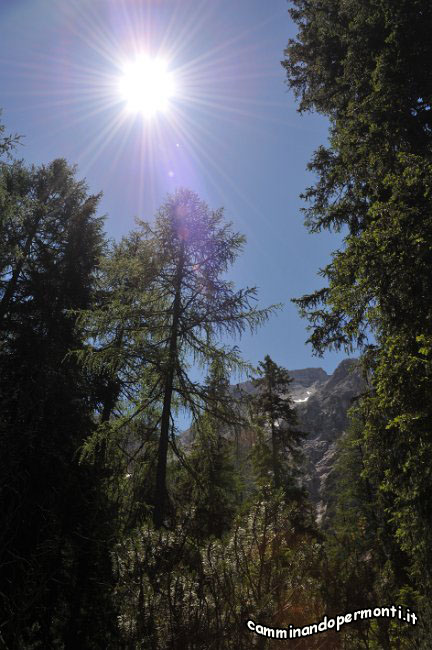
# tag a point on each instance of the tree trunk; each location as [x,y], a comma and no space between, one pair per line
[12,284]
[160,490]
[275,463]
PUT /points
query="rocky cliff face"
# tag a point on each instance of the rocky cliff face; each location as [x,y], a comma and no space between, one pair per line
[322,402]
[322,407]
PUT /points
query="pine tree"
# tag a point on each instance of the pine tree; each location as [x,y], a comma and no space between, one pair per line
[209,482]
[362,65]
[364,563]
[53,540]
[278,448]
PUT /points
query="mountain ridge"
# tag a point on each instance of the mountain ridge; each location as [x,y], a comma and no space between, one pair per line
[321,402]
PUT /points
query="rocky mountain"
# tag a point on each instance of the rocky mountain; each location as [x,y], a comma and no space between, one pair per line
[322,407]
[322,402]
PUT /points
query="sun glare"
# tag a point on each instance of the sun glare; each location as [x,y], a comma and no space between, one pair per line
[147,86]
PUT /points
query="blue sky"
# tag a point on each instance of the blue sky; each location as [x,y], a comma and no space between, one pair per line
[232,134]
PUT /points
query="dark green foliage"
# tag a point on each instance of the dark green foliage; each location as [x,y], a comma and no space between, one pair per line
[168,303]
[175,594]
[54,563]
[363,65]
[277,452]
[211,490]
[208,482]
[364,563]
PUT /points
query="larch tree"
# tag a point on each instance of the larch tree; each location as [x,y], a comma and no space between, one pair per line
[170,298]
[194,249]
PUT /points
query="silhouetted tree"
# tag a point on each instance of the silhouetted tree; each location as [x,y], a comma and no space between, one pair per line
[362,65]
[54,563]
[278,454]
[172,302]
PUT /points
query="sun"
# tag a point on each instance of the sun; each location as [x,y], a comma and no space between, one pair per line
[147,86]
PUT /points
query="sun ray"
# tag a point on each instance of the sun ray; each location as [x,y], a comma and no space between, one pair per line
[195,146]
[214,84]
[102,139]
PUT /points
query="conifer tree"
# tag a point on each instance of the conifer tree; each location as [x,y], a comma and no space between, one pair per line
[173,304]
[209,481]
[364,563]
[194,249]
[53,557]
[278,449]
[362,64]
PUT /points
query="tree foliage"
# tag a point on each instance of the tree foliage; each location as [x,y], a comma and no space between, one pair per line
[170,304]
[176,594]
[52,561]
[363,66]
[278,449]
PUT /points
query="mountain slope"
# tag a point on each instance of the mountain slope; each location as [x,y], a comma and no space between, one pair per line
[322,402]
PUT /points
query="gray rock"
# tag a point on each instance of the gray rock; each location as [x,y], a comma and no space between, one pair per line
[321,403]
